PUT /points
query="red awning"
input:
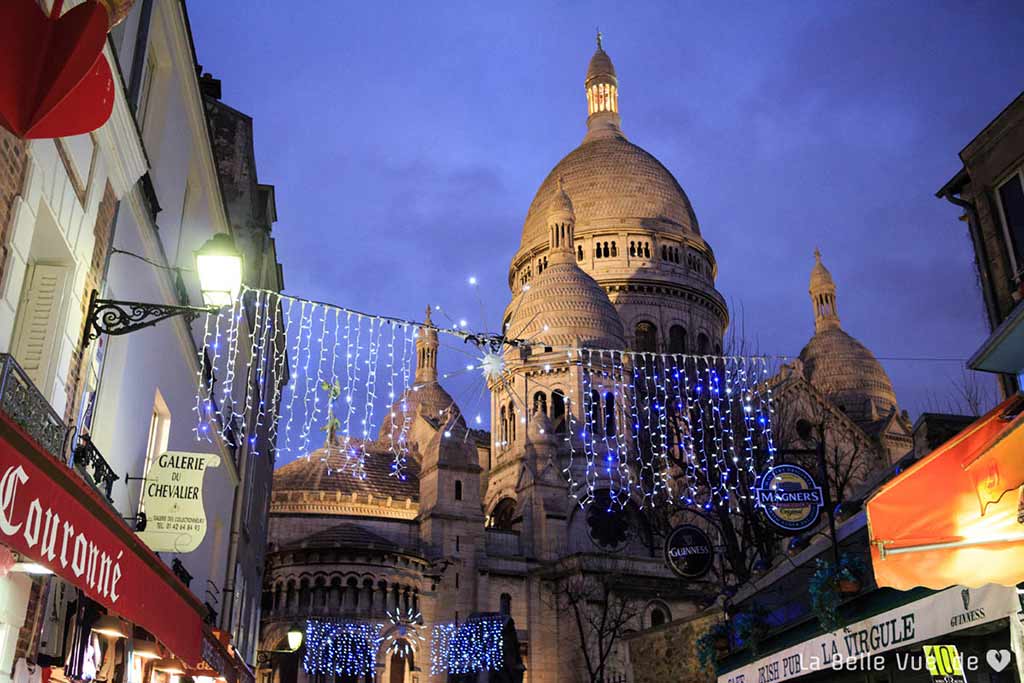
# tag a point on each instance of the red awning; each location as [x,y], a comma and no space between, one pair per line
[953,517]
[48,513]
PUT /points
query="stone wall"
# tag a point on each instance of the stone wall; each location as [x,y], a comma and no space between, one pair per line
[669,652]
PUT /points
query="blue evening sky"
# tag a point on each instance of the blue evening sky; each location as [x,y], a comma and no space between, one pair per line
[406,141]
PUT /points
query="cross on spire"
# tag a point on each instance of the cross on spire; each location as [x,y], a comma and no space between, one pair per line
[599,37]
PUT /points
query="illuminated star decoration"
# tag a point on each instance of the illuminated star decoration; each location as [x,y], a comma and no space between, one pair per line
[492,365]
[404,633]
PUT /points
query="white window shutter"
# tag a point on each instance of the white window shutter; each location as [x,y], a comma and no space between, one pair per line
[38,322]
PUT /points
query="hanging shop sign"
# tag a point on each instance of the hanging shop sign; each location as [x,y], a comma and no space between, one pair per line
[172,497]
[854,647]
[688,552]
[49,514]
[789,497]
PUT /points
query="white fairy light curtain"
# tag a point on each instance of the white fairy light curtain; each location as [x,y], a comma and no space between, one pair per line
[330,376]
[339,648]
[292,376]
[653,427]
[476,645]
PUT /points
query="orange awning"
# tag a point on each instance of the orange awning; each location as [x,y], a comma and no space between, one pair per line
[953,517]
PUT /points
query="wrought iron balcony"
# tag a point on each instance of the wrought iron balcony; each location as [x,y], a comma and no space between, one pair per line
[26,405]
[89,460]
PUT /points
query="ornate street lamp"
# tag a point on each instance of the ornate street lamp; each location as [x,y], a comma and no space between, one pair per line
[219,266]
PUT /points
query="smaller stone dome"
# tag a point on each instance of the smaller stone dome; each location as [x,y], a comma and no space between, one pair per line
[848,374]
[564,306]
[561,208]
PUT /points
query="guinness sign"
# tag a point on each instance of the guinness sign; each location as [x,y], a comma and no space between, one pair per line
[688,552]
[789,497]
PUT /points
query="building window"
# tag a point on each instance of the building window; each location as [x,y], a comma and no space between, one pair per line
[609,413]
[646,337]
[558,420]
[146,90]
[676,339]
[579,253]
[159,434]
[658,616]
[540,402]
[458,490]
[703,345]
[1011,206]
[615,250]
[505,607]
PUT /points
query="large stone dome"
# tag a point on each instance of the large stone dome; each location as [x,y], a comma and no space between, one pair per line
[564,306]
[848,374]
[611,179]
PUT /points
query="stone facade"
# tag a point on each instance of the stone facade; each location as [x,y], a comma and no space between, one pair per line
[669,652]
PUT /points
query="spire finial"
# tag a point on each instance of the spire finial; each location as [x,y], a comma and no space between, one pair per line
[599,36]
[427,319]
[817,255]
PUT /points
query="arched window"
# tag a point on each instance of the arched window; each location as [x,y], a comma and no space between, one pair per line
[703,345]
[632,248]
[506,605]
[579,253]
[646,337]
[512,423]
[664,253]
[597,250]
[503,514]
[647,250]
[609,413]
[595,411]
[658,616]
[615,251]
[458,490]
[606,250]
[558,420]
[540,402]
[676,339]
[504,426]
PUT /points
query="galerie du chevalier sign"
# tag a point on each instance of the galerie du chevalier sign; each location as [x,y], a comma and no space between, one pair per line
[172,498]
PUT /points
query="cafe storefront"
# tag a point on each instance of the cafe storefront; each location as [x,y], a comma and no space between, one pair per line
[889,645]
[82,598]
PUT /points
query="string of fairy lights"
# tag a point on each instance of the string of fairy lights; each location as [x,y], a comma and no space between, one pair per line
[291,376]
[350,648]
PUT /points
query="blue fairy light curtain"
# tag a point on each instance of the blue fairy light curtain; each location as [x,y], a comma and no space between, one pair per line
[476,645]
[652,427]
[341,648]
[293,377]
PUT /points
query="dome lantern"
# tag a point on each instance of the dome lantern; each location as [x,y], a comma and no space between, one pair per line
[602,87]
[823,296]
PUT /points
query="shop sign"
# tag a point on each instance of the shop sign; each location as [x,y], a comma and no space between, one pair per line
[688,552]
[853,648]
[944,663]
[49,514]
[172,498]
[789,497]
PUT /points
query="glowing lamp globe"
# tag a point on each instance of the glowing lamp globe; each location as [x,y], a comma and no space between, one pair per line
[294,638]
[219,265]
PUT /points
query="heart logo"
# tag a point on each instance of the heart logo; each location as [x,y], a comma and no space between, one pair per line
[998,659]
[54,80]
